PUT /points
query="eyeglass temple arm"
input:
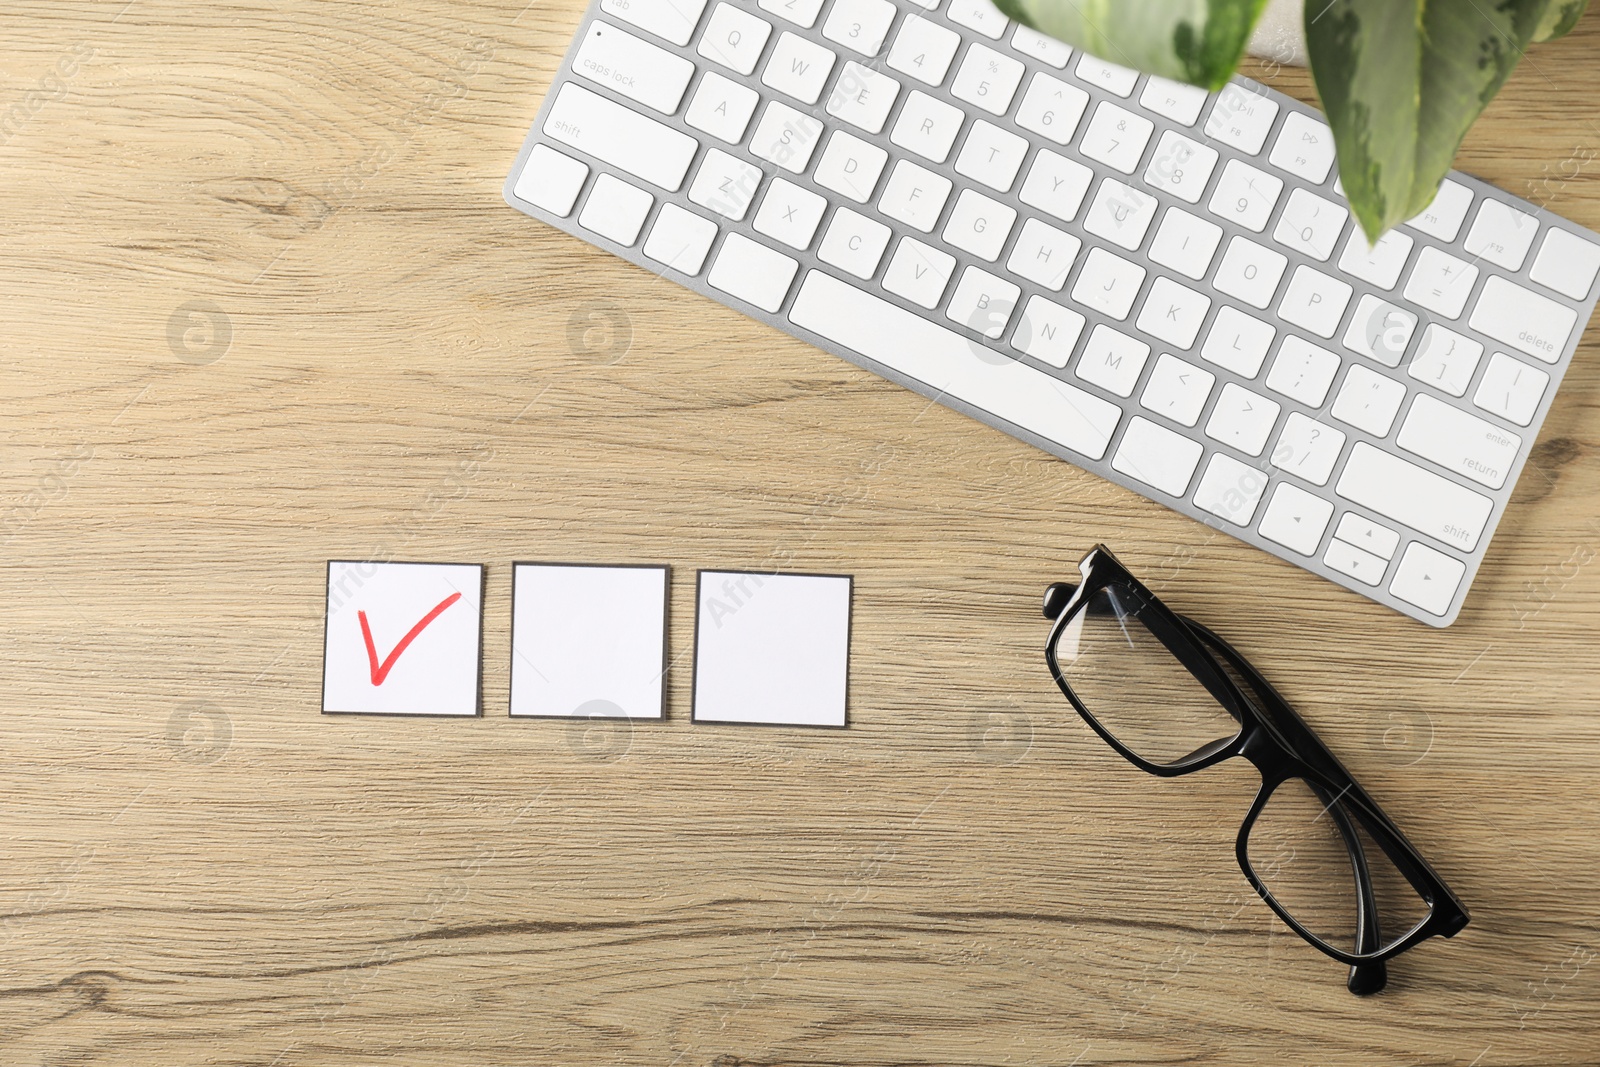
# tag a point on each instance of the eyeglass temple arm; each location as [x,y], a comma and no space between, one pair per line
[1365,978]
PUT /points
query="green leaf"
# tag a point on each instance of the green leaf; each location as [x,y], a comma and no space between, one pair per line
[1559,18]
[1196,41]
[1401,82]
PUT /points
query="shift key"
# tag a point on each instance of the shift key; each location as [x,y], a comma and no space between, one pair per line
[1427,502]
[620,136]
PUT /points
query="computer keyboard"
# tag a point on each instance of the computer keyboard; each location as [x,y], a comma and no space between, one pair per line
[1160,285]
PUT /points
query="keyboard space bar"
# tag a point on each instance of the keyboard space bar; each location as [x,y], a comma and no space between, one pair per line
[949,363]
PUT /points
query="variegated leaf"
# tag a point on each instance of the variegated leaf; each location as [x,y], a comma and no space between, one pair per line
[1197,41]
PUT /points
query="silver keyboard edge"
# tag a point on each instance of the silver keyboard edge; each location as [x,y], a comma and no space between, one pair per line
[1286,105]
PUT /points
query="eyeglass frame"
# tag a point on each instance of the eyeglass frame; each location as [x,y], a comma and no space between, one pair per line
[1268,736]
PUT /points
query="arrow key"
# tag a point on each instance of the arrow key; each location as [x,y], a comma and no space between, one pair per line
[1364,533]
[1427,578]
[1295,519]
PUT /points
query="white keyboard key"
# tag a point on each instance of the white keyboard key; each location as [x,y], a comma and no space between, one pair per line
[863,97]
[620,136]
[1459,441]
[1511,389]
[979,225]
[1160,458]
[1108,283]
[1047,331]
[1314,301]
[724,184]
[987,79]
[1043,254]
[1112,360]
[854,243]
[1304,148]
[991,155]
[1238,342]
[1441,283]
[1295,519]
[633,67]
[927,126]
[1523,319]
[1052,108]
[1566,264]
[1185,243]
[1116,137]
[551,180]
[752,272]
[1056,184]
[1380,331]
[978,15]
[1179,102]
[1173,313]
[1307,448]
[1302,371]
[1310,224]
[1242,419]
[1368,401]
[680,239]
[1427,578]
[945,362]
[615,209]
[1120,213]
[1045,49]
[1105,74]
[1250,272]
[1421,499]
[859,25]
[1379,264]
[785,137]
[1443,217]
[1245,195]
[1445,359]
[797,67]
[1230,490]
[799,12]
[1177,390]
[1358,563]
[982,302]
[1365,534]
[914,196]
[1501,234]
[850,166]
[671,20]
[919,272]
[1181,167]
[722,108]
[923,50]
[734,38]
[789,214]
[1241,118]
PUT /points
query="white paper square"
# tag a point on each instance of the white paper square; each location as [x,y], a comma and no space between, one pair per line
[588,641]
[437,670]
[771,648]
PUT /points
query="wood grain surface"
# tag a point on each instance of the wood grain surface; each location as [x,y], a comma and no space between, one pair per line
[261,306]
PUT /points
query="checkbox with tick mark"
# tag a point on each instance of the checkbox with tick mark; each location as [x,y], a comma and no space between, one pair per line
[403,638]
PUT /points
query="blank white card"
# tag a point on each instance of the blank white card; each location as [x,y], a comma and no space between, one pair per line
[588,641]
[772,648]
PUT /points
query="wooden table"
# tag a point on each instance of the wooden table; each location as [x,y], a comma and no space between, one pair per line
[262,306]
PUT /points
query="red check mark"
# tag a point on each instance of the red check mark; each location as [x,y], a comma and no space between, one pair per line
[381,671]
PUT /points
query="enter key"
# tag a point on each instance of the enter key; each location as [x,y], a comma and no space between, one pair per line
[1459,441]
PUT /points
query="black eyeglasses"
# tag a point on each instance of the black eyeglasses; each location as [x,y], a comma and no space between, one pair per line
[1174,698]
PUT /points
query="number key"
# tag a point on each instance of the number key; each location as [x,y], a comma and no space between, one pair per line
[1116,137]
[987,79]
